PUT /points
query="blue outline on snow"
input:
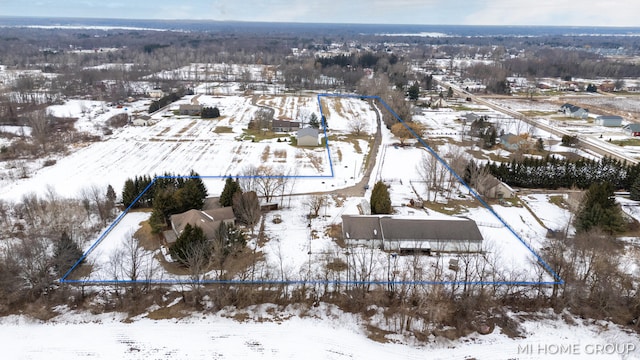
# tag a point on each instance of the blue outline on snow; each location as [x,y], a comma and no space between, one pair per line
[557,278]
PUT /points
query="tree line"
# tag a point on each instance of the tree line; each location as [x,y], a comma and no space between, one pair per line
[553,173]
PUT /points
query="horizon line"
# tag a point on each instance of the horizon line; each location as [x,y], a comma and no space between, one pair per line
[316,23]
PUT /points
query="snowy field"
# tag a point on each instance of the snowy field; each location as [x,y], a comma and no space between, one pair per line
[178,144]
[272,333]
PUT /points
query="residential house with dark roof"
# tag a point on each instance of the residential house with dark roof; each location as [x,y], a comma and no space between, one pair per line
[284,125]
[208,220]
[400,234]
[574,111]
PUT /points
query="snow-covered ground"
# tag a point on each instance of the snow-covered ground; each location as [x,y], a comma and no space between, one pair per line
[178,144]
[272,333]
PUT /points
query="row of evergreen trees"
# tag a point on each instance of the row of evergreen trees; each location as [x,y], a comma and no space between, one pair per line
[168,194]
[165,100]
[553,173]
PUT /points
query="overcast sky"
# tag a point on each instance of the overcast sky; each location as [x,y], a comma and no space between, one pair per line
[455,12]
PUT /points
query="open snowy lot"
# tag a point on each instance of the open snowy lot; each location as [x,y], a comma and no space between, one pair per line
[272,333]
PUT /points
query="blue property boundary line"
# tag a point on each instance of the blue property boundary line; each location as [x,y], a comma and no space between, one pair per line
[558,279]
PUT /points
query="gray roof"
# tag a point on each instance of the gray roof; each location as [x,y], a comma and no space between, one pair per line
[572,108]
[308,131]
[609,117]
[632,127]
[375,227]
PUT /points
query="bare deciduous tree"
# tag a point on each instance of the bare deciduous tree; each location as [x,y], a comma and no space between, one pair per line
[247,207]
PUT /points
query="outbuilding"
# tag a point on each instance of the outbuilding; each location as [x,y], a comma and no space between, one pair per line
[454,234]
[612,121]
[307,137]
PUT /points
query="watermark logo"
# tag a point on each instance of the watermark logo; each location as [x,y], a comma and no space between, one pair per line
[577,349]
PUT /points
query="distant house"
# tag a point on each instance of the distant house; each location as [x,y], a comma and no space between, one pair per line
[412,234]
[498,190]
[190,109]
[470,117]
[284,125]
[513,142]
[607,86]
[155,93]
[574,111]
[631,129]
[142,120]
[307,137]
[613,120]
[208,220]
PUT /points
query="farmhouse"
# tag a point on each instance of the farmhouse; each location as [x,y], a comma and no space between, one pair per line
[613,120]
[631,129]
[412,234]
[208,220]
[574,111]
[190,109]
[307,137]
[284,125]
[143,120]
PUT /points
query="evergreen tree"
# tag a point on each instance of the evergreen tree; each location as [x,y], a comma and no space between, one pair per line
[313,121]
[380,199]
[164,205]
[210,113]
[634,191]
[66,253]
[191,240]
[414,91]
[599,210]
[129,193]
[111,195]
[230,188]
[229,239]
[449,92]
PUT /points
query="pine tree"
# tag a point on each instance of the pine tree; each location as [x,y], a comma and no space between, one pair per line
[230,188]
[414,91]
[191,239]
[634,191]
[129,193]
[599,210]
[380,199]
[66,253]
[313,121]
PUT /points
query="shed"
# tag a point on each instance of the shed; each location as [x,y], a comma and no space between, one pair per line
[613,120]
[307,137]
